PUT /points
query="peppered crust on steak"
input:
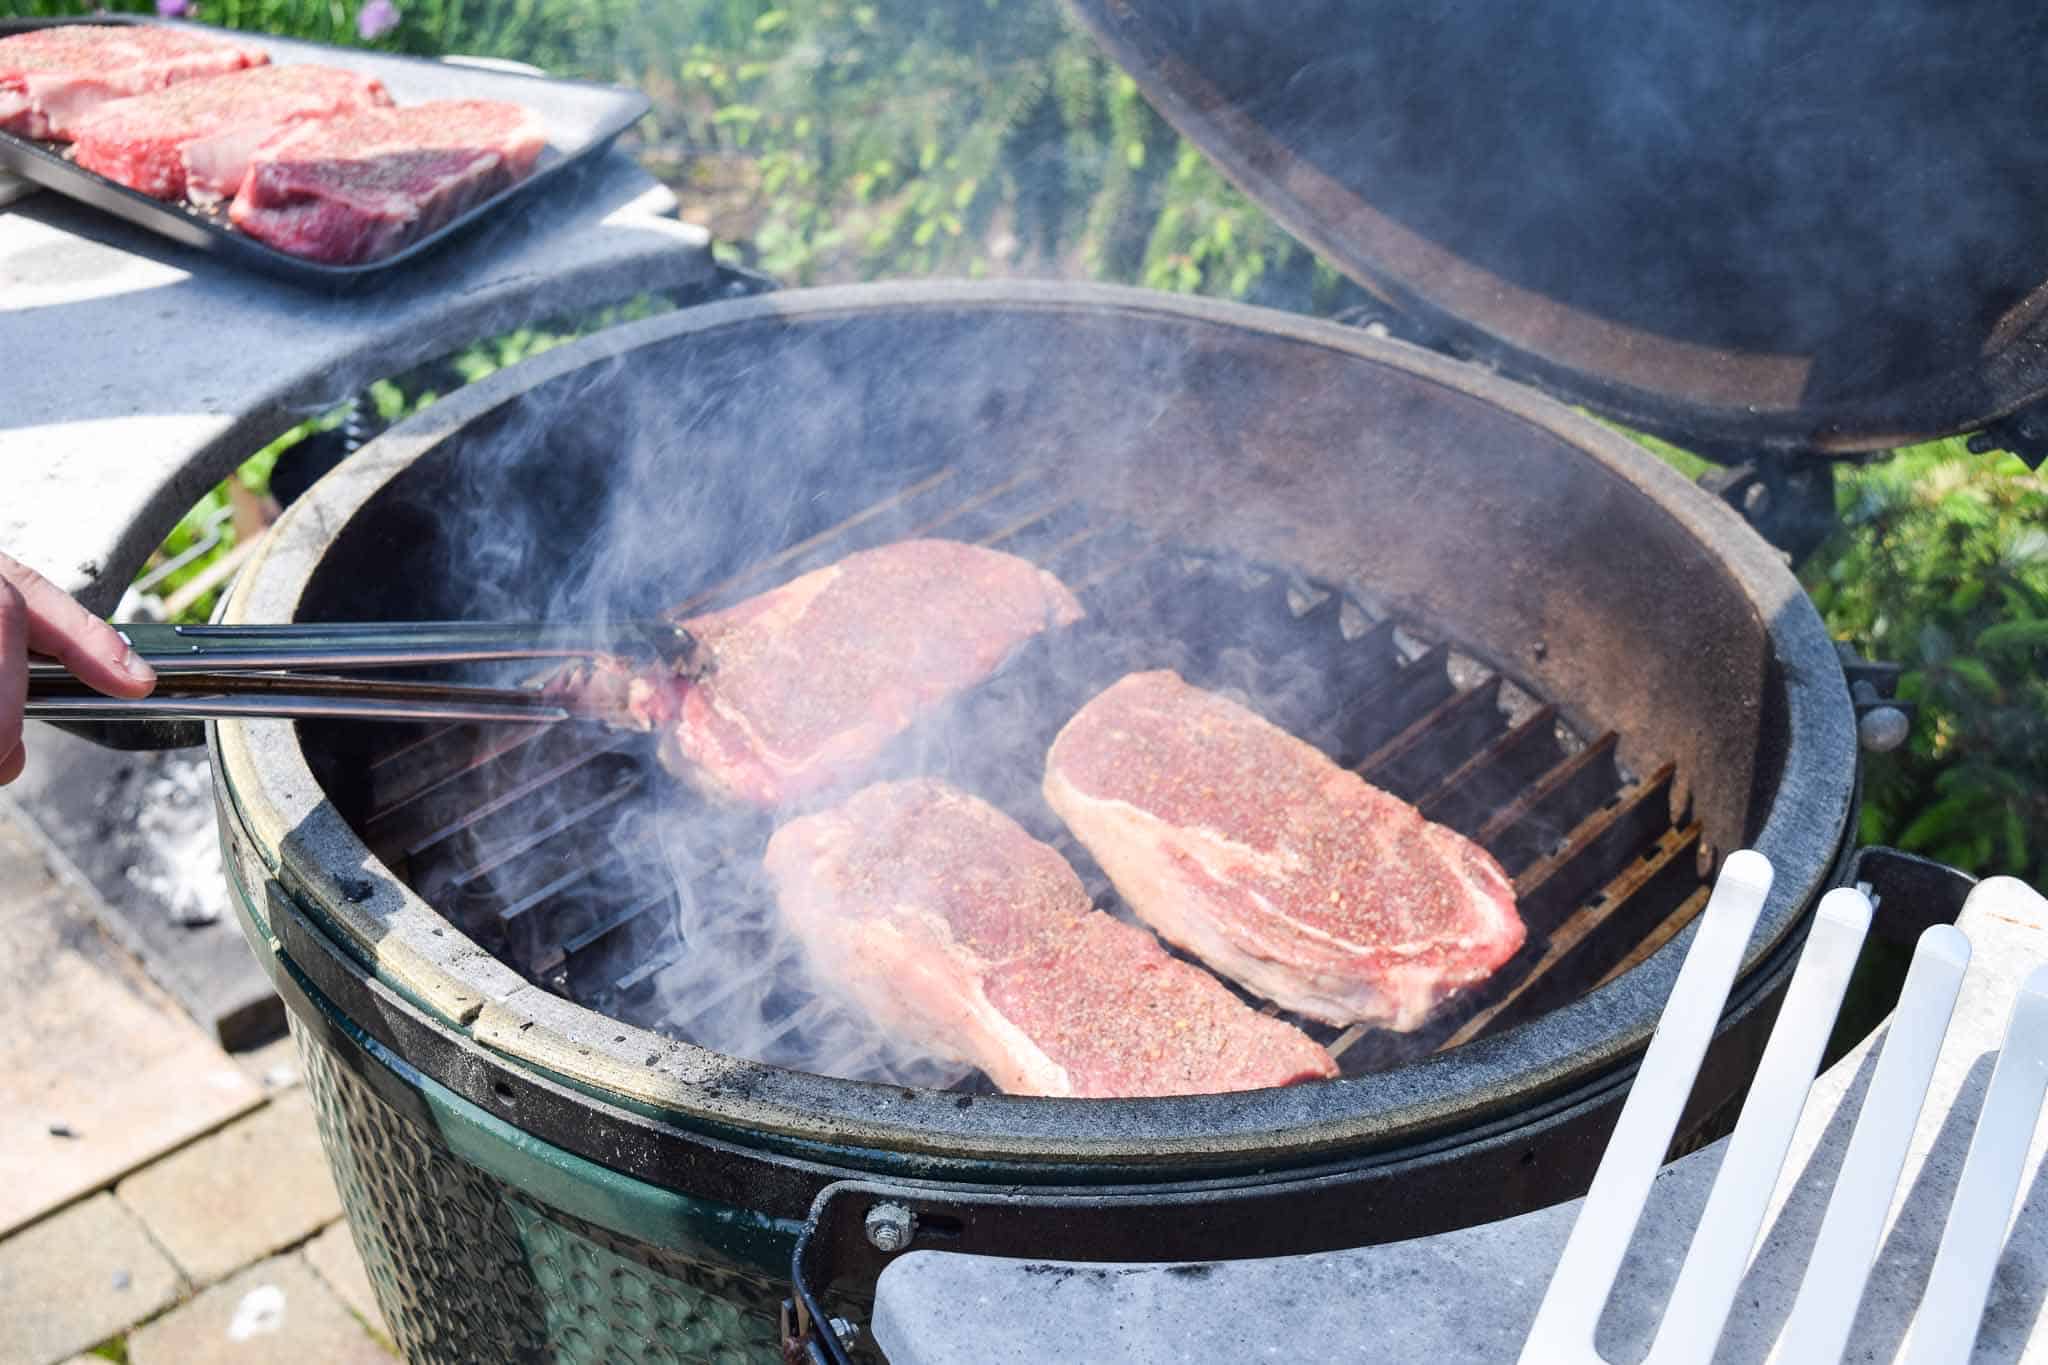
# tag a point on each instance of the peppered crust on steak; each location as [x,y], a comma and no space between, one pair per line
[805,684]
[360,187]
[956,931]
[1256,853]
[195,139]
[52,77]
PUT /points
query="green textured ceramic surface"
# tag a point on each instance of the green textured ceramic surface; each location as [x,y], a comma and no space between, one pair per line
[468,1268]
[486,1244]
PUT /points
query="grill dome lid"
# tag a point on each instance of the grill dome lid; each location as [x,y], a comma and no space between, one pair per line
[1807,227]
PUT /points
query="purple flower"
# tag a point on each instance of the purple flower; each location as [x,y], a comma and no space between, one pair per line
[176,9]
[375,19]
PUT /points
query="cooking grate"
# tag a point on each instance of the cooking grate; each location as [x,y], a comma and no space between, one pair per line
[573,858]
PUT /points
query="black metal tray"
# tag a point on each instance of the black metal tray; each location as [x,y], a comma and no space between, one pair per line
[582,121]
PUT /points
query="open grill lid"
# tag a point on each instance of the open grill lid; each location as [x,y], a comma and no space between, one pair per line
[1743,224]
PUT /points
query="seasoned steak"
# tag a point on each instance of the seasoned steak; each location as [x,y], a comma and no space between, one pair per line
[959,933]
[357,188]
[52,77]
[195,139]
[1254,852]
[807,683]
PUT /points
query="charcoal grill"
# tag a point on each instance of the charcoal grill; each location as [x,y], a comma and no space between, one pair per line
[1444,576]
[496,826]
[1599,671]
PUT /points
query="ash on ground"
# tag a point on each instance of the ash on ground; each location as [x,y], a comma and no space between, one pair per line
[177,860]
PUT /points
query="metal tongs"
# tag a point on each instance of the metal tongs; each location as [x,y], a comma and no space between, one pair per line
[295,671]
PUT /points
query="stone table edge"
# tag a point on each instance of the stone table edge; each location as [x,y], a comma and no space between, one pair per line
[97,566]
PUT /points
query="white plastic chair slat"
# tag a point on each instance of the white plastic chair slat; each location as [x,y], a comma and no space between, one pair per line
[1727,1230]
[1945,1328]
[1565,1322]
[1817,1330]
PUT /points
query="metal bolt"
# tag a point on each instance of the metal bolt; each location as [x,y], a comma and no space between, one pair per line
[1882,729]
[889,1227]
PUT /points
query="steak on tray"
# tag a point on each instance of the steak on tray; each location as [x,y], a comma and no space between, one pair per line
[958,932]
[52,77]
[195,139]
[1256,853]
[801,687]
[360,187]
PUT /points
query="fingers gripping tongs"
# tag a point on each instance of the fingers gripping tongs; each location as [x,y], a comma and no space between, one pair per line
[299,671]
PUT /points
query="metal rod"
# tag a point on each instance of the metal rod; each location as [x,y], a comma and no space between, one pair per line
[304,696]
[212,649]
[422,840]
[1576,929]
[759,569]
[289,707]
[248,670]
[186,686]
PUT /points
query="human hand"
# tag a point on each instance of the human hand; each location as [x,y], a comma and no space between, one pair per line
[36,615]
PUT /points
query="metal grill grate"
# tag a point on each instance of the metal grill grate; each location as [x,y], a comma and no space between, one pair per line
[557,849]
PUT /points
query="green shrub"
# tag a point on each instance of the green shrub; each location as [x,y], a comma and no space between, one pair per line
[1942,565]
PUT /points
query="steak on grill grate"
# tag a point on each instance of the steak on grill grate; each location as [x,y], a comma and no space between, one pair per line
[50,78]
[359,187]
[808,682]
[955,929]
[196,138]
[1253,851]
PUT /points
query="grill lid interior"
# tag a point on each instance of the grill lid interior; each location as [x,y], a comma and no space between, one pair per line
[1808,227]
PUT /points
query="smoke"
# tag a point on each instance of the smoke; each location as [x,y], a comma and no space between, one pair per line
[741,985]
[706,474]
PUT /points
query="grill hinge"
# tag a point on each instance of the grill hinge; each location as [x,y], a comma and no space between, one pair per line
[2023,433]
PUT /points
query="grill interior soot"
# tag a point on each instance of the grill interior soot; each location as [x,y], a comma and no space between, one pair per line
[570,855]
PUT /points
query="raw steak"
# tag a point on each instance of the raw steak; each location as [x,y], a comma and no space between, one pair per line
[52,77]
[196,138]
[1260,856]
[956,930]
[808,682]
[357,188]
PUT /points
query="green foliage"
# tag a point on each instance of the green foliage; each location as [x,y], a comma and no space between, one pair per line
[879,139]
[1210,239]
[1942,566]
[967,137]
[205,533]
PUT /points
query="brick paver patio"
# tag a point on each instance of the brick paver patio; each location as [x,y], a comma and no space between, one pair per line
[158,1196]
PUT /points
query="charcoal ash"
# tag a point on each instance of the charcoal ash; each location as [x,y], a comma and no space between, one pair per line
[177,858]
